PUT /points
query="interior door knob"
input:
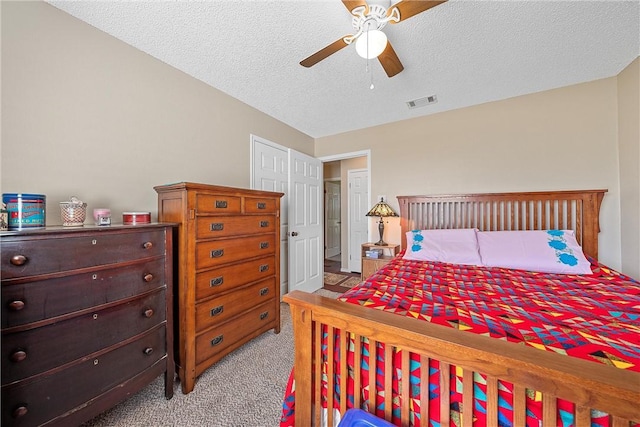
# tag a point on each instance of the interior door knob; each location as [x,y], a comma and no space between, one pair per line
[294,233]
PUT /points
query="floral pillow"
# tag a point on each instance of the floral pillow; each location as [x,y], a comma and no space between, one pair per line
[546,251]
[455,246]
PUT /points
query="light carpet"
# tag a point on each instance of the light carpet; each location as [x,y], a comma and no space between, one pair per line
[245,388]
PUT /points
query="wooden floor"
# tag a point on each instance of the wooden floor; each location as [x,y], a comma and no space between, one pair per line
[334,267]
[331,266]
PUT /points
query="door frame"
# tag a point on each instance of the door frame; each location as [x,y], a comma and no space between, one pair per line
[351,155]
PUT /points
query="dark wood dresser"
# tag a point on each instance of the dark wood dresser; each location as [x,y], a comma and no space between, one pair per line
[86,320]
[228,274]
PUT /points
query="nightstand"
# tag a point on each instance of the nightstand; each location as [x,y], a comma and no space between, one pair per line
[371,265]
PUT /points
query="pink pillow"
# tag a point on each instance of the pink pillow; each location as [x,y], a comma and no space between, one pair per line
[455,246]
[550,251]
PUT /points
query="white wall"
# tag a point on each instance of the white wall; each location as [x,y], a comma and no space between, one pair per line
[85,114]
[554,140]
[629,126]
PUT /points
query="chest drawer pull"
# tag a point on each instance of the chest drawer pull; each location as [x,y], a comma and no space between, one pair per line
[221,204]
[264,291]
[217,226]
[18,356]
[147,245]
[264,245]
[264,267]
[20,411]
[148,277]
[16,305]
[217,310]
[18,260]
[262,205]
[148,312]
[264,315]
[264,224]
[148,351]
[217,340]
[217,253]
[216,281]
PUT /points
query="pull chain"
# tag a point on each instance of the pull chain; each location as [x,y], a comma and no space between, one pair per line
[368,68]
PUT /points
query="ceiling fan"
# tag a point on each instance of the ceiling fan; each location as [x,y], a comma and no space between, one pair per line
[368,21]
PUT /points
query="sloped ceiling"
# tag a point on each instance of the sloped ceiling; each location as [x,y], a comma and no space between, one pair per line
[466,52]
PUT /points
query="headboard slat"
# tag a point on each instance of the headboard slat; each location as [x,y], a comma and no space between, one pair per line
[570,210]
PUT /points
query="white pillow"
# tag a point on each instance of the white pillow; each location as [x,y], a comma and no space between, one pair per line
[550,251]
[455,246]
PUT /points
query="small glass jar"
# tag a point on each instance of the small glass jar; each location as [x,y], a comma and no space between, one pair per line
[102,216]
[73,212]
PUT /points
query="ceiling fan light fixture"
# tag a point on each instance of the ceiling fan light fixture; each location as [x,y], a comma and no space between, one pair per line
[371,44]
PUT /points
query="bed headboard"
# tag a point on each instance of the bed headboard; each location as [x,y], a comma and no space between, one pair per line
[544,210]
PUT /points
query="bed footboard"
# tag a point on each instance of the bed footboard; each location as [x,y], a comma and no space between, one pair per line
[587,384]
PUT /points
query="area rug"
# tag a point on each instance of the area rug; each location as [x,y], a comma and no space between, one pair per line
[337,282]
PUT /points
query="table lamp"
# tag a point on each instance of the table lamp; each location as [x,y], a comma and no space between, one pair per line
[383,210]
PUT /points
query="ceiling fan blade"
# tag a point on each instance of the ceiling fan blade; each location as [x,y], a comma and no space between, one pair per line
[352,4]
[390,61]
[409,8]
[323,53]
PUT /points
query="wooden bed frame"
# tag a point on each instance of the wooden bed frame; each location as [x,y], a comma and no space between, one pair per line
[588,385]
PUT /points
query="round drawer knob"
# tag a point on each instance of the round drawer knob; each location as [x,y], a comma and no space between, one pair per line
[18,260]
[20,411]
[18,356]
[147,245]
[148,350]
[16,305]
[148,312]
[148,277]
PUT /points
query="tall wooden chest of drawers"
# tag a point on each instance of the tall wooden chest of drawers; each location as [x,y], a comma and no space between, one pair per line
[228,273]
[86,320]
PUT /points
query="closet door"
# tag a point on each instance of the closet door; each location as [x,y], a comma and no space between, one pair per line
[270,172]
[299,176]
[306,232]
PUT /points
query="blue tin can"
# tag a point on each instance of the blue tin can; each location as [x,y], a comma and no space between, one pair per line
[26,211]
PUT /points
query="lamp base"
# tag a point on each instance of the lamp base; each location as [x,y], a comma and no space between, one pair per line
[381,231]
[380,243]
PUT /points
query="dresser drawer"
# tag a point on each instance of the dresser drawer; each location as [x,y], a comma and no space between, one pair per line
[48,396]
[212,227]
[260,205]
[209,254]
[42,299]
[23,258]
[227,278]
[218,339]
[38,350]
[223,308]
[218,204]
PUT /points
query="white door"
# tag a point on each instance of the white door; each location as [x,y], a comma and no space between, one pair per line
[306,267]
[332,218]
[358,192]
[270,172]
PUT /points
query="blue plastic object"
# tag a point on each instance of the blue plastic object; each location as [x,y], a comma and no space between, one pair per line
[361,418]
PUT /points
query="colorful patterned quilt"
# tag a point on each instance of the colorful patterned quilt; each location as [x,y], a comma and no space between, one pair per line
[594,317]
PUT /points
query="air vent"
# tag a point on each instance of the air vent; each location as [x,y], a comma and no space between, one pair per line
[421,102]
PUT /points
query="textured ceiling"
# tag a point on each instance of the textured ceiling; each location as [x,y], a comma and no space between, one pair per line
[464,52]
